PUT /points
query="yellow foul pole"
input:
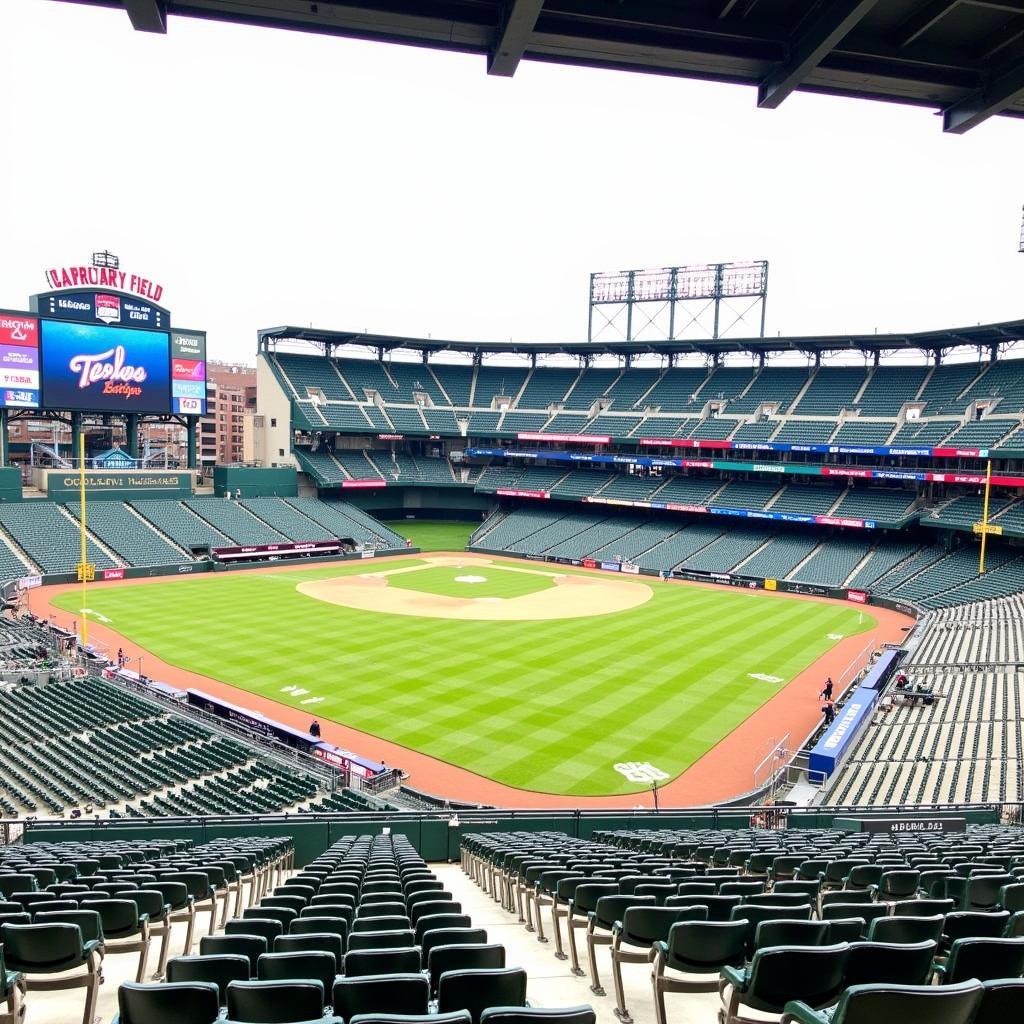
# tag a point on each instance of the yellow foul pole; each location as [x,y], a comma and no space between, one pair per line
[81,517]
[984,518]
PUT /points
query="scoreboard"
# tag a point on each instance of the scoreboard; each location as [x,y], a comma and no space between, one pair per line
[88,349]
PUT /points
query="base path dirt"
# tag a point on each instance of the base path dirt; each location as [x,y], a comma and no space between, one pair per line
[572,597]
[725,771]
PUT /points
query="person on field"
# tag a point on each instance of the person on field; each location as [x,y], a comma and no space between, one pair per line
[314,729]
[829,711]
[827,691]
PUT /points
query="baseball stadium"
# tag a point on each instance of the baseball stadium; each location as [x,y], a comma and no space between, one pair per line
[512,682]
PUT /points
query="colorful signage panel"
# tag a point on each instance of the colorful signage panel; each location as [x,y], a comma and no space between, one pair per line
[188,372]
[19,362]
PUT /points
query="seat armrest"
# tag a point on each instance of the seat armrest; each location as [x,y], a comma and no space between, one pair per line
[737,977]
[796,1012]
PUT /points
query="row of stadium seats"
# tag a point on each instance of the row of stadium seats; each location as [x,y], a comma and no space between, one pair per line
[45,535]
[70,909]
[89,744]
[342,395]
[945,390]
[928,576]
[364,930]
[781,921]
[964,744]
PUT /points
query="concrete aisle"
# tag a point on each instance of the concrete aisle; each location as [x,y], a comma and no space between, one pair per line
[551,982]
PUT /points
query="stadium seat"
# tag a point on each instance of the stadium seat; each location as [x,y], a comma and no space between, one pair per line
[698,950]
[40,951]
[460,957]
[909,1004]
[167,1003]
[275,1002]
[986,959]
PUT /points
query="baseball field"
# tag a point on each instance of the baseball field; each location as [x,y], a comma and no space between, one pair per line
[537,676]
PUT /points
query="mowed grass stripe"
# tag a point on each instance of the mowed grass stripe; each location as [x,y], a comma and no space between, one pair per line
[548,705]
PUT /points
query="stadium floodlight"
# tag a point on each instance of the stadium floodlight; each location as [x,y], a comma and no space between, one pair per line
[105,259]
[709,300]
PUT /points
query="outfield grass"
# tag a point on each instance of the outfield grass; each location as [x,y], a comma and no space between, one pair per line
[545,705]
[434,535]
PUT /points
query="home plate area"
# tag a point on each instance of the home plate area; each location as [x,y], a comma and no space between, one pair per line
[436,587]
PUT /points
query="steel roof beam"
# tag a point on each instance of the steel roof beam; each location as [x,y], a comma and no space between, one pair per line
[147,15]
[990,99]
[833,21]
[923,19]
[515,27]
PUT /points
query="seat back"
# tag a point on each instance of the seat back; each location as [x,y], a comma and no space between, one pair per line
[361,962]
[643,926]
[909,1004]
[985,959]
[265,926]
[1003,1001]
[434,921]
[778,975]
[906,963]
[784,932]
[193,1002]
[476,990]
[323,942]
[450,937]
[297,964]
[701,947]
[407,993]
[538,1015]
[213,970]
[252,947]
[461,957]
[275,1002]
[906,929]
[399,939]
[41,947]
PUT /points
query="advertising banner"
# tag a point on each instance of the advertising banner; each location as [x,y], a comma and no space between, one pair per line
[188,372]
[512,492]
[364,483]
[113,574]
[312,547]
[631,569]
[104,369]
[570,438]
[857,596]
[19,362]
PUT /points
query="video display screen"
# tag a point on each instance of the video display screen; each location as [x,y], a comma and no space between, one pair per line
[89,367]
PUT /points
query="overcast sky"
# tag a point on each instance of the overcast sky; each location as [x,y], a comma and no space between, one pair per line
[267,178]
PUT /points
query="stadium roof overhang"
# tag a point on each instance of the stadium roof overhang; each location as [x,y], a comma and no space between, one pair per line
[964,58]
[983,336]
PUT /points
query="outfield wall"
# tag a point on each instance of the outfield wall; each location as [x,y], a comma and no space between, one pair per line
[133,572]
